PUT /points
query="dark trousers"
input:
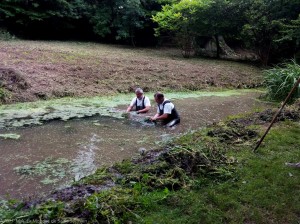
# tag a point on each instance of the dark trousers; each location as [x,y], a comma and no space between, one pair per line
[173,122]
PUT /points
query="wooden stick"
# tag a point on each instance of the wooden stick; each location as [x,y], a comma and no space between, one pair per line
[278,112]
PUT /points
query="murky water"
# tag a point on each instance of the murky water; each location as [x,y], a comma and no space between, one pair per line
[54,154]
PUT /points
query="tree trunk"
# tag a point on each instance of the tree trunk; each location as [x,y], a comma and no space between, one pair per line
[218,46]
[132,41]
[264,54]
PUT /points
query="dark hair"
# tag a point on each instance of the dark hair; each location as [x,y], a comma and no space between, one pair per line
[159,95]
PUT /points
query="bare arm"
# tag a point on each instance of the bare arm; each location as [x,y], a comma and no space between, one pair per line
[146,109]
[159,117]
[129,108]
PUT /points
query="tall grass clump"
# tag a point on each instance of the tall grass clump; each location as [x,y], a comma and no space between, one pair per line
[281,79]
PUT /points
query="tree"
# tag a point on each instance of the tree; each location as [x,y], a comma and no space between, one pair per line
[29,18]
[118,18]
[261,29]
[291,32]
[219,18]
[179,18]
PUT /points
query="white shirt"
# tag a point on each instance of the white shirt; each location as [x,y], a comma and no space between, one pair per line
[167,109]
[140,102]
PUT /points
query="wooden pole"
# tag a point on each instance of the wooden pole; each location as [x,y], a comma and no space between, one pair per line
[278,112]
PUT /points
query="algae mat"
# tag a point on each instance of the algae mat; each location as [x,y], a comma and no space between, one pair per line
[36,113]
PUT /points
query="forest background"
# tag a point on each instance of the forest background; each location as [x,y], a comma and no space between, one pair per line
[269,28]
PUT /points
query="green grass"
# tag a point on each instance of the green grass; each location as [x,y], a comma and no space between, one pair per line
[263,189]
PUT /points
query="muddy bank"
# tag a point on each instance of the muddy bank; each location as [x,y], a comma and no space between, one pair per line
[57,69]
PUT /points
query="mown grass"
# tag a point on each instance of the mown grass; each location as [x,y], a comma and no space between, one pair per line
[53,69]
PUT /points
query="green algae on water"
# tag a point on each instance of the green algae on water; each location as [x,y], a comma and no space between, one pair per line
[36,113]
[10,136]
[52,169]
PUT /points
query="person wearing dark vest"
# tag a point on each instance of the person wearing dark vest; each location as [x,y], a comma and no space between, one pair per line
[166,111]
[140,103]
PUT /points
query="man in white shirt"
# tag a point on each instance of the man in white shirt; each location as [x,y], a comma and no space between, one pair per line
[140,103]
[166,111]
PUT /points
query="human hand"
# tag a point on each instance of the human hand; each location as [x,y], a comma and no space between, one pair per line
[152,118]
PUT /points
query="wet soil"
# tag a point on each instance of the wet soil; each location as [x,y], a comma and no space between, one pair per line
[57,69]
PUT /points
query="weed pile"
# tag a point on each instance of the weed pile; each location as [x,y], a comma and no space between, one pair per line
[11,82]
[52,170]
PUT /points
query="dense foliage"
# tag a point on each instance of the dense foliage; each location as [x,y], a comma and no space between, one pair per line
[268,27]
[85,19]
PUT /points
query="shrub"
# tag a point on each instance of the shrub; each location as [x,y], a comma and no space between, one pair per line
[281,79]
[5,35]
[4,95]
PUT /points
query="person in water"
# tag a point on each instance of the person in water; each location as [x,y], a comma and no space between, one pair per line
[166,111]
[140,103]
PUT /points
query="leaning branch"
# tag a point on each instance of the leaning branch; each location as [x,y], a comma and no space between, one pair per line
[278,112]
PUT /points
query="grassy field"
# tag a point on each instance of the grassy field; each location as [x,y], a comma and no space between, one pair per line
[31,70]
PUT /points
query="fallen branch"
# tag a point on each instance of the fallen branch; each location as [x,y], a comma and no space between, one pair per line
[297,165]
[278,112]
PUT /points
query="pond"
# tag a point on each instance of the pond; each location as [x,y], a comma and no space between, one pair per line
[55,154]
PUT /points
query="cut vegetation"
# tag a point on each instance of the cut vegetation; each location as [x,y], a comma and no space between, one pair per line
[43,70]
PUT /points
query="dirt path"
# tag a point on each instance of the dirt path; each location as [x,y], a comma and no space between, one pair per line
[31,70]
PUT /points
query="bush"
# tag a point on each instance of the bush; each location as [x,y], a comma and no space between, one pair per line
[5,35]
[5,95]
[281,79]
